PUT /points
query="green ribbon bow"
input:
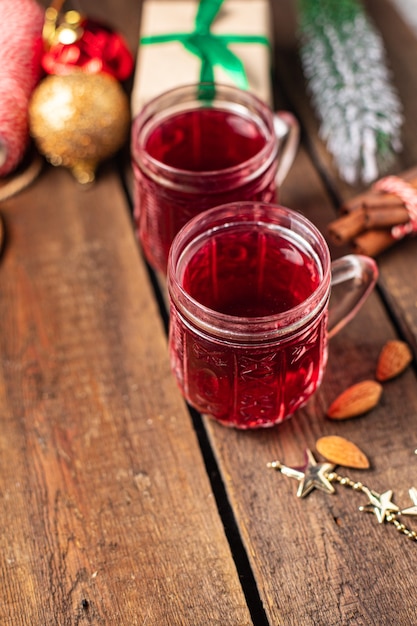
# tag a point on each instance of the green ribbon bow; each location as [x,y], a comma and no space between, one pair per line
[210,48]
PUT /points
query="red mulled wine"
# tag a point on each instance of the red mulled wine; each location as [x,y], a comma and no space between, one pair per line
[205,140]
[250,274]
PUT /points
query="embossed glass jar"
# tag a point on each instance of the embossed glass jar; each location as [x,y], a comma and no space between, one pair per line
[199,146]
[249,287]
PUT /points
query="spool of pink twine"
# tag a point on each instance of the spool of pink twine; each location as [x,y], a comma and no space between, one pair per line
[21,50]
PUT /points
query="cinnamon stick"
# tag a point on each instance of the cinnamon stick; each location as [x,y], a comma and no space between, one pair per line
[367,220]
[387,200]
[385,218]
[346,227]
[373,242]
[371,199]
[350,225]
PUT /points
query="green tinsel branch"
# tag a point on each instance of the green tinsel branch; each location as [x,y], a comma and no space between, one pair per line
[343,60]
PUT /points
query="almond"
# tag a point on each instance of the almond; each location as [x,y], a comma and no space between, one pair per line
[355,400]
[394,357]
[341,451]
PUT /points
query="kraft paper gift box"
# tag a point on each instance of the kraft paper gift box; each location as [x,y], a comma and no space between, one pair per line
[164,62]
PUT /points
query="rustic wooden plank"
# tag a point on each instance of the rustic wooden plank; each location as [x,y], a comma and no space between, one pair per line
[398,278]
[319,560]
[107,513]
[316,561]
[401,47]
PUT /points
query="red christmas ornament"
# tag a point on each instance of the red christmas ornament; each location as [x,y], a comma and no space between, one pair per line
[83,43]
[80,114]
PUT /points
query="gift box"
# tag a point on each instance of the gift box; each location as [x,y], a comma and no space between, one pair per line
[185,41]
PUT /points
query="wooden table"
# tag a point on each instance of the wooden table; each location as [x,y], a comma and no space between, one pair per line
[117,505]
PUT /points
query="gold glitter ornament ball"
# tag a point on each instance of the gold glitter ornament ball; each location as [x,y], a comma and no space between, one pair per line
[78,120]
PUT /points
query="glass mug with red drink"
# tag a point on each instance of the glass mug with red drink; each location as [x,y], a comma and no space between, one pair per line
[249,286]
[199,146]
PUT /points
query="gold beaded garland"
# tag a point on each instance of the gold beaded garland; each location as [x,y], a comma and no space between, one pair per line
[313,475]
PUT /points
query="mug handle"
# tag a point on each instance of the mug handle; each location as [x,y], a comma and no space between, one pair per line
[287,130]
[358,275]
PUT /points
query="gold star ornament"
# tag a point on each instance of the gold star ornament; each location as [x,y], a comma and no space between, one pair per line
[311,475]
[379,504]
[412,510]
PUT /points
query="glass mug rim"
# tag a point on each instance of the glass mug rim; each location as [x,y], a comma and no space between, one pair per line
[172,102]
[240,328]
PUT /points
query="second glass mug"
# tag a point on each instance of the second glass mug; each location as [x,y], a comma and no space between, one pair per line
[200,146]
[249,286]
